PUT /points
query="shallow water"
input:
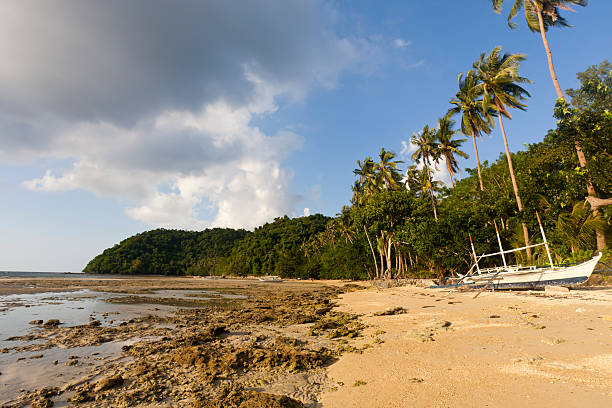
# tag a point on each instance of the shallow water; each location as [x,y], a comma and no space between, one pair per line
[76,308]
[34,369]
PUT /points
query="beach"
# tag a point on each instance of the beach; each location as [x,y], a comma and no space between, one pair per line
[197,342]
[502,349]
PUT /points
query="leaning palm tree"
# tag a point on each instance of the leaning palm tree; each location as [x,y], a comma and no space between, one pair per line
[448,146]
[540,15]
[473,120]
[427,150]
[499,79]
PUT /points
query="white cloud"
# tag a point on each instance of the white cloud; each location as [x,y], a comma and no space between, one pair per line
[158,111]
[306,211]
[401,43]
[214,156]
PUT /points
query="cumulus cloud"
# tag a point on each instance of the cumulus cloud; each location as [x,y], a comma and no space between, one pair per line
[153,103]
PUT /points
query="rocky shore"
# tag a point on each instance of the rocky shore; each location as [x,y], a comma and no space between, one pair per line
[265,346]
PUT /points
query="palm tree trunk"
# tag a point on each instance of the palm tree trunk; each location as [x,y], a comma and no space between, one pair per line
[450,170]
[601,237]
[389,259]
[514,184]
[372,248]
[551,67]
[477,161]
[433,199]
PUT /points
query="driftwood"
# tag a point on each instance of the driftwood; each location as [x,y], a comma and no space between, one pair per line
[596,203]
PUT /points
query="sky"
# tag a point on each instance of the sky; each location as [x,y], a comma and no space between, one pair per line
[119,117]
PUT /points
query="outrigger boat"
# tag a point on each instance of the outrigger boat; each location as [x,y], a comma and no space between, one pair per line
[525,277]
[270,278]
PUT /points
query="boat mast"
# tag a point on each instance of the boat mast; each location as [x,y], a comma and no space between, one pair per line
[545,242]
[501,250]
[474,253]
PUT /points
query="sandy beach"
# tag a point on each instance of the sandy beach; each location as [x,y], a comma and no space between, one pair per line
[503,349]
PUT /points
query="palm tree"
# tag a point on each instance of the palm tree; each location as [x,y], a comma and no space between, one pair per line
[387,174]
[427,150]
[366,185]
[418,181]
[540,15]
[473,120]
[578,226]
[499,79]
[449,147]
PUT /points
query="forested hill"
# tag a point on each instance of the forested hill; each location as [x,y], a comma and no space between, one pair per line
[274,248]
[167,252]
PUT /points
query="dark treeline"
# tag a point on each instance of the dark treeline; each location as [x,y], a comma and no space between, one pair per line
[167,252]
[404,223]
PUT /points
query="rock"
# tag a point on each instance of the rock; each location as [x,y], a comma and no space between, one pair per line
[556,289]
[391,311]
[108,383]
[42,403]
[36,322]
[552,341]
[53,323]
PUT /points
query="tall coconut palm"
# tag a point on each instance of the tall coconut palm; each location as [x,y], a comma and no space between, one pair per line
[473,121]
[427,152]
[540,15]
[499,79]
[448,146]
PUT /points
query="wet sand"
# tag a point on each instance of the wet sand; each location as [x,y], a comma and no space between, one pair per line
[503,349]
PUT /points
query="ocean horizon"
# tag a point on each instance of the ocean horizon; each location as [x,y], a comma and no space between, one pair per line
[36,274]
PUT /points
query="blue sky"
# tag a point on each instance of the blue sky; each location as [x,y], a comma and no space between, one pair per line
[117,118]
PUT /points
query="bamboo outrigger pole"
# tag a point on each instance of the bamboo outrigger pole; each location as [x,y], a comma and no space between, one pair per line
[545,242]
[501,250]
[474,253]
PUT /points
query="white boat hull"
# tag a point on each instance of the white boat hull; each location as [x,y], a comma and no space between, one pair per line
[526,278]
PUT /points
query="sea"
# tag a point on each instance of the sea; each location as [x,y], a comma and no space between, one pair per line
[18,274]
